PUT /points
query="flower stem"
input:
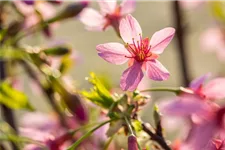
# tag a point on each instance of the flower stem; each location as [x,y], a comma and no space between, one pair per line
[131,130]
[77,143]
[169,89]
[129,125]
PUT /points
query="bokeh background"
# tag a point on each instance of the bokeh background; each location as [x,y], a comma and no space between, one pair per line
[152,16]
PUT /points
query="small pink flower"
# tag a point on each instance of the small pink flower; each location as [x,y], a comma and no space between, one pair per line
[141,53]
[110,14]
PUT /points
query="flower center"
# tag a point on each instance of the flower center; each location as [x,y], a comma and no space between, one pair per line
[140,50]
[113,19]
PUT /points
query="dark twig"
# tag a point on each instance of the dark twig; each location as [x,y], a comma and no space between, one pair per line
[47,91]
[155,137]
[180,35]
[7,113]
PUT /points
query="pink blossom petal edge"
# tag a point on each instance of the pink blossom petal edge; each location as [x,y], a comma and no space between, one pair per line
[161,39]
[156,71]
[184,106]
[127,6]
[114,53]
[92,19]
[130,29]
[200,135]
[215,89]
[107,6]
[131,77]
[196,83]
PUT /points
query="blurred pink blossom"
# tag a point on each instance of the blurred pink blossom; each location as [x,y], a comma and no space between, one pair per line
[191,4]
[202,134]
[45,129]
[141,53]
[205,118]
[32,17]
[213,40]
[198,100]
[110,14]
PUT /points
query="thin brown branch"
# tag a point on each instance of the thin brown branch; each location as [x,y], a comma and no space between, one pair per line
[180,36]
[155,137]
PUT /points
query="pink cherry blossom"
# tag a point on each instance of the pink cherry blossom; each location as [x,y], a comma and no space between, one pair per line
[45,129]
[198,101]
[141,53]
[213,40]
[32,17]
[110,14]
[202,134]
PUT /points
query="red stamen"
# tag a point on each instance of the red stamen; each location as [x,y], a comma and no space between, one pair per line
[134,45]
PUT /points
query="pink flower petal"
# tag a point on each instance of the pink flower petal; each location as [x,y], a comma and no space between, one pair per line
[196,83]
[92,19]
[185,106]
[127,6]
[25,9]
[130,29]
[156,71]
[46,10]
[161,39]
[200,135]
[131,77]
[113,53]
[215,89]
[107,6]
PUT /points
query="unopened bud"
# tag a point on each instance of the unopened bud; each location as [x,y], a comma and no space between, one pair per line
[55,2]
[132,143]
[76,106]
[70,11]
[29,2]
[14,28]
[47,32]
[56,51]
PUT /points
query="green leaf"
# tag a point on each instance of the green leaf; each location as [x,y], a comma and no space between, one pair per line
[98,94]
[137,125]
[66,63]
[13,98]
[77,143]
[57,51]
[156,115]
[69,11]
[11,53]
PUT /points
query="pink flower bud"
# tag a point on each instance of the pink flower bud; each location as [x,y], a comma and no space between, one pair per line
[132,143]
[28,2]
